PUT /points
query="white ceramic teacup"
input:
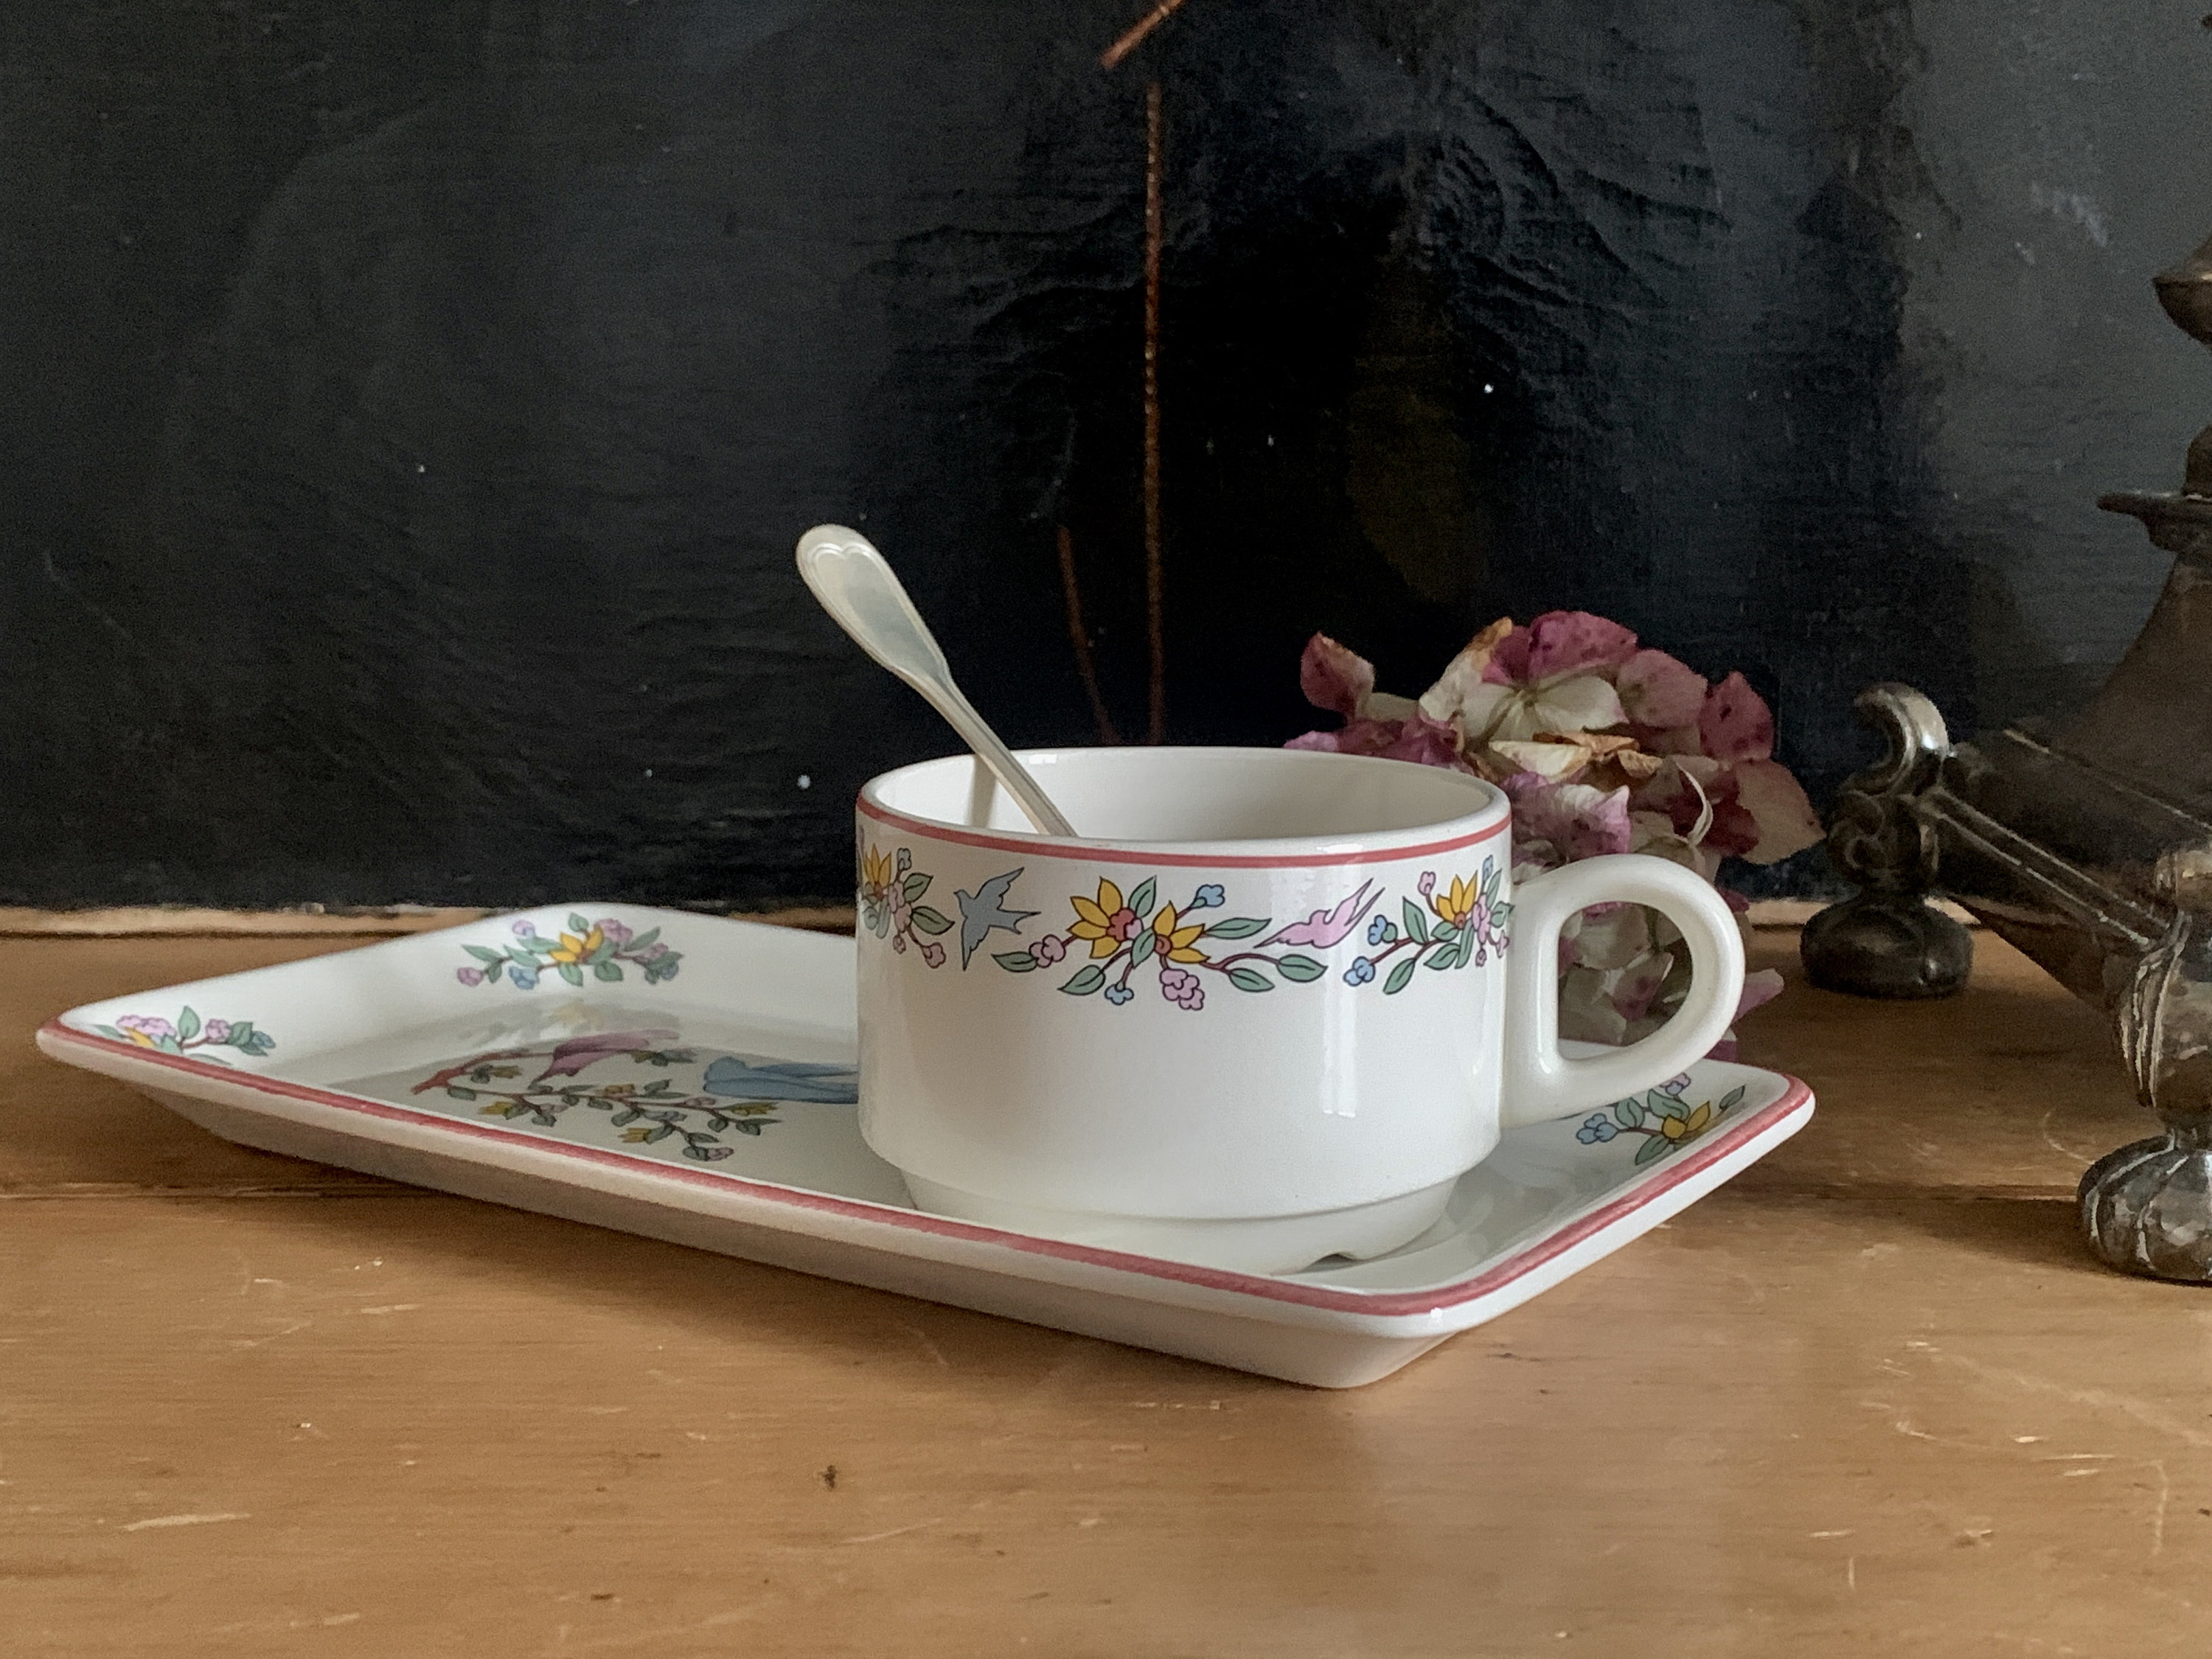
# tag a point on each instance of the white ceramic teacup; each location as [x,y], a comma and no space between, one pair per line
[1269,1007]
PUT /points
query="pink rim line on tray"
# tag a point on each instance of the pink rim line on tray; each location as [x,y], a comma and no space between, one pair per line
[1710,1149]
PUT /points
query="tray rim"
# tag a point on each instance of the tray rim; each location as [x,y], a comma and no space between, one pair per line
[1773,1122]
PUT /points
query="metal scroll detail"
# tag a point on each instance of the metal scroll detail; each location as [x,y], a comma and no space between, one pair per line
[1887,941]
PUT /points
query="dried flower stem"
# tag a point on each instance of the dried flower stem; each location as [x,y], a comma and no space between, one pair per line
[1085,664]
[1155,598]
[1129,43]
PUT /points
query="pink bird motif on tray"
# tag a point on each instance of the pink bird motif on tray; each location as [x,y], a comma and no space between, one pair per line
[1324,929]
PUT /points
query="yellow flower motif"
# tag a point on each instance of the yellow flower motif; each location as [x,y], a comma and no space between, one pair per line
[875,869]
[575,950]
[1176,943]
[1457,905]
[1105,920]
[1679,1129]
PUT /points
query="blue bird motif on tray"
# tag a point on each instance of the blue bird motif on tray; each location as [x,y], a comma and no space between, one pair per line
[736,1078]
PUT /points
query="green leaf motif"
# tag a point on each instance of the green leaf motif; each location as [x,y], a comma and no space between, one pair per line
[483,955]
[1237,927]
[1141,900]
[1086,981]
[1652,1150]
[1249,979]
[572,973]
[1016,962]
[578,925]
[1628,1113]
[453,1091]
[1300,969]
[188,1026]
[1145,944]
[1416,925]
[752,1126]
[914,886]
[1731,1098]
[643,940]
[606,971]
[243,1036]
[929,920]
[1400,977]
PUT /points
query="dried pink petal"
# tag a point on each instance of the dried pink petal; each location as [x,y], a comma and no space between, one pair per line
[1562,642]
[1333,678]
[1608,936]
[1555,823]
[1427,743]
[1735,723]
[1759,988]
[1776,802]
[1555,763]
[1463,675]
[1658,690]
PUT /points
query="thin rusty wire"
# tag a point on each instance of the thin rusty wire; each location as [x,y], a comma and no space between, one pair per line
[1086,664]
[1129,43]
[1155,588]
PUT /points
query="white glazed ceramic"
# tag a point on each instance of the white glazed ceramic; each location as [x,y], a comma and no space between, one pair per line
[344,1058]
[1269,1008]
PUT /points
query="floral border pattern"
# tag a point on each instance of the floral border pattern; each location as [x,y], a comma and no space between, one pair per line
[737,1095]
[1662,1116]
[189,1031]
[1450,926]
[602,946]
[890,904]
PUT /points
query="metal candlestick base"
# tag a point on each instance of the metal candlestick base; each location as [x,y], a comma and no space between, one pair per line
[2145,1209]
[2089,847]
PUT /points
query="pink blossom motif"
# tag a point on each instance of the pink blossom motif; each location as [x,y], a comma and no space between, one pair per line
[610,928]
[1181,987]
[898,942]
[933,955]
[147,1025]
[216,1031]
[1123,924]
[1427,883]
[1048,951]
[1324,929]
[468,975]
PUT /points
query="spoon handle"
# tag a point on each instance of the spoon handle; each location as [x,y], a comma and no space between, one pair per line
[856,586]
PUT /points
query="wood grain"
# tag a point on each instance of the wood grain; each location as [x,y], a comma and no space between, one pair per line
[1871,1398]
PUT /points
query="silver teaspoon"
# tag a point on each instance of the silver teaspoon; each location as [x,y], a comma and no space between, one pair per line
[856,586]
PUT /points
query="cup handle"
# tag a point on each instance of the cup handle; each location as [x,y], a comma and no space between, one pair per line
[1542,1082]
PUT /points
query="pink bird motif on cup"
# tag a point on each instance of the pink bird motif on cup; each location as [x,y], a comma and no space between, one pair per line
[1325,929]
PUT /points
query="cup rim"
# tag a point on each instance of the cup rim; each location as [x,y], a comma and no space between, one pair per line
[1486,822]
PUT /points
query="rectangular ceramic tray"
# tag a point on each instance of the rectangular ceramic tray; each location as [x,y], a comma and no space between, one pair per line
[691,1078]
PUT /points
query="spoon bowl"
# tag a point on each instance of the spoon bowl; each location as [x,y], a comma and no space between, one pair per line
[856,586]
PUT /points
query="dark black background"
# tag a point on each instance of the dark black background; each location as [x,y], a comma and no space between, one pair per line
[410,408]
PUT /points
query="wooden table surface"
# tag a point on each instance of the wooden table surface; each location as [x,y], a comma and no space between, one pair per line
[1871,1398]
